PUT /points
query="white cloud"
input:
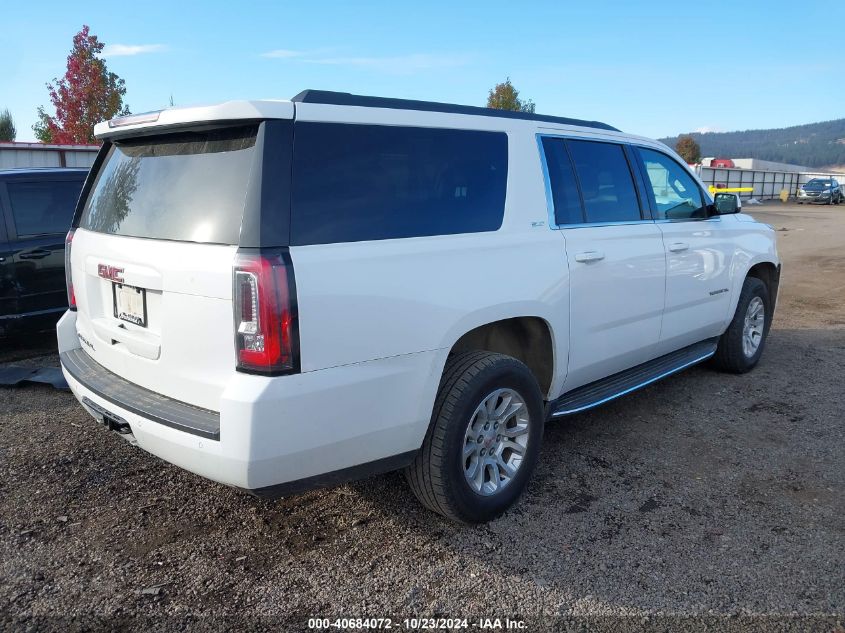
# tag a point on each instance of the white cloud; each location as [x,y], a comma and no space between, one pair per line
[707,129]
[283,53]
[124,50]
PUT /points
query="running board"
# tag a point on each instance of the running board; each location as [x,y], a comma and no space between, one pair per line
[606,389]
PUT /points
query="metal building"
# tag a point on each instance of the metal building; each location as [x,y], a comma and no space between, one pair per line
[16,155]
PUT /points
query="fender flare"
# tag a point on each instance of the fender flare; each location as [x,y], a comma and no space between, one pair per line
[739,280]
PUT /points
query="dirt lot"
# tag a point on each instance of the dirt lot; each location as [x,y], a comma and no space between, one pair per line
[708,495]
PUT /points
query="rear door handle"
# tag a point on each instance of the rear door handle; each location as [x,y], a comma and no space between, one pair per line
[589,256]
[678,247]
[39,254]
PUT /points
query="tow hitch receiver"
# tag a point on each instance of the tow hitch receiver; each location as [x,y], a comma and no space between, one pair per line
[109,420]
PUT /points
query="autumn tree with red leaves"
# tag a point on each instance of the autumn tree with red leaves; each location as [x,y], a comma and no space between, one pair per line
[86,95]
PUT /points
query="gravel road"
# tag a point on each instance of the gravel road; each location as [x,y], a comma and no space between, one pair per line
[707,495]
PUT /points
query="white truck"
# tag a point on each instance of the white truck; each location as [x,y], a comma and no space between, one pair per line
[279,295]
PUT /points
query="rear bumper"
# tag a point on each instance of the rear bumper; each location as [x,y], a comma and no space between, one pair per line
[279,436]
[142,402]
[205,457]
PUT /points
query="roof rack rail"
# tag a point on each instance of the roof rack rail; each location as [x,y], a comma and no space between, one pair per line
[345,98]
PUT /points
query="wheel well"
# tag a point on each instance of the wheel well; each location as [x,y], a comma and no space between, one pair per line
[527,339]
[769,274]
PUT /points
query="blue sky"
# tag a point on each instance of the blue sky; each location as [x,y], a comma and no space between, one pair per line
[650,67]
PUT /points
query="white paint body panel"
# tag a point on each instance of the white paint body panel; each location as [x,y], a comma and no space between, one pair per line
[275,430]
[698,280]
[617,301]
[377,319]
[189,303]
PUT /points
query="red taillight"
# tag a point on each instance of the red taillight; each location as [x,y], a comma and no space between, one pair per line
[71,295]
[264,302]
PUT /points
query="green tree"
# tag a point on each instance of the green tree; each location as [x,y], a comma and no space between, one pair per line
[688,149]
[504,96]
[7,126]
[87,94]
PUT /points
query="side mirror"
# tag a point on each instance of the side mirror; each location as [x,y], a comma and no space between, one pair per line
[727,203]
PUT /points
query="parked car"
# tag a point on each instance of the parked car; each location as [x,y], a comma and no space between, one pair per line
[36,210]
[824,190]
[283,295]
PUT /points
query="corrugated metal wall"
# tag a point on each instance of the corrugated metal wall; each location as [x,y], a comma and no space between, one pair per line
[19,155]
[767,184]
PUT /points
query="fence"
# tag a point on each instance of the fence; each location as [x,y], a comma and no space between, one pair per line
[766,185]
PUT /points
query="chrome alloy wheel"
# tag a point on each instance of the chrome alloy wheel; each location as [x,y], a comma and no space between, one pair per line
[495,441]
[752,331]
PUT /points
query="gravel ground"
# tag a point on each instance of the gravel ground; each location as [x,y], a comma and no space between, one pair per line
[706,500]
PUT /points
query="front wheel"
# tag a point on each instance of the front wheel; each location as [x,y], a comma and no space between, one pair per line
[741,346]
[484,438]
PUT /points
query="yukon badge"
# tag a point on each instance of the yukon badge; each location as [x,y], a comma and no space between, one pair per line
[110,272]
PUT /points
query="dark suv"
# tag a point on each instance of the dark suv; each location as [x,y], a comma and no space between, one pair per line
[824,190]
[36,210]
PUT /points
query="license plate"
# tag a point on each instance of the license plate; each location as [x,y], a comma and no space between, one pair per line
[130,304]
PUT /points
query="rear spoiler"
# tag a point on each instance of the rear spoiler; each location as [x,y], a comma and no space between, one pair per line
[147,122]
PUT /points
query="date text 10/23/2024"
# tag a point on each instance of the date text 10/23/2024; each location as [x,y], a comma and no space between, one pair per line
[416,624]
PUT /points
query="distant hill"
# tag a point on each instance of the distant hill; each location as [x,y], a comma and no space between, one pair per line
[813,145]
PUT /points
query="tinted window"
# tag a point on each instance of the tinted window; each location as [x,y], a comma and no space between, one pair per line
[565,196]
[676,194]
[605,181]
[370,182]
[189,186]
[43,206]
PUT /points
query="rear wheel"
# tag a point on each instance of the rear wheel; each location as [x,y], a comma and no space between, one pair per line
[741,346]
[484,438]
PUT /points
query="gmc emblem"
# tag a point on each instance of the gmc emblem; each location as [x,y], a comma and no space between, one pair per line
[110,272]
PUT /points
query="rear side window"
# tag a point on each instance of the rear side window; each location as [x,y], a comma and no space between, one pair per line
[605,180]
[373,182]
[188,186]
[43,207]
[676,194]
[565,196]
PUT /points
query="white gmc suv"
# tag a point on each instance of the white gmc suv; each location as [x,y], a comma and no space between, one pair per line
[279,295]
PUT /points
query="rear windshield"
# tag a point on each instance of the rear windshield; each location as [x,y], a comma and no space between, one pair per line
[189,186]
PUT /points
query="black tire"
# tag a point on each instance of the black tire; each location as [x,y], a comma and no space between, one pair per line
[436,475]
[730,356]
